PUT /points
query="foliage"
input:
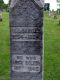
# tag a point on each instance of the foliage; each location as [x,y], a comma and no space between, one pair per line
[3,6]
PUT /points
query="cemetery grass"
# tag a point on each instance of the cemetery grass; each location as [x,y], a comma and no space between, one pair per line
[51,48]
[4,48]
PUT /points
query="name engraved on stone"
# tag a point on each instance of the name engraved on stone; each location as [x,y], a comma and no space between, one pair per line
[26,34]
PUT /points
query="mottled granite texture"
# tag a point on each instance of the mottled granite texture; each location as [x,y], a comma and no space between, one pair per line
[26,28]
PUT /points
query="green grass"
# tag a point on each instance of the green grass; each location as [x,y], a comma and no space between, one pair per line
[4,48]
[51,48]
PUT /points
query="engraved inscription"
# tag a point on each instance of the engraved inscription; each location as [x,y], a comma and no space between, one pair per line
[26,63]
[26,34]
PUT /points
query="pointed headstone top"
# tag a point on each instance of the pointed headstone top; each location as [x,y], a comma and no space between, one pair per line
[40,3]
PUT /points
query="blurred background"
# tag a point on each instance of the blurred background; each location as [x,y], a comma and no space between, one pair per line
[51,40]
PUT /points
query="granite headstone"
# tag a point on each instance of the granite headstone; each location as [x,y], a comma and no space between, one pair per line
[26,31]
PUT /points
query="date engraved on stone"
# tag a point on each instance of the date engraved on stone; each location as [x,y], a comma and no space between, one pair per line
[26,63]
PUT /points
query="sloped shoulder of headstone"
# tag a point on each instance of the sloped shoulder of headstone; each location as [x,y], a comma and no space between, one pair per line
[13,3]
[38,3]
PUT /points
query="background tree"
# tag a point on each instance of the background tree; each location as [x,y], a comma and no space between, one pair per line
[3,6]
[1,3]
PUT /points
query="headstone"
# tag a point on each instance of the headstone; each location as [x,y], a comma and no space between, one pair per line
[26,26]
[0,14]
[53,14]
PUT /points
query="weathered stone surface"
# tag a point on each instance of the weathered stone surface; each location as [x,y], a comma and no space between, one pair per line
[26,26]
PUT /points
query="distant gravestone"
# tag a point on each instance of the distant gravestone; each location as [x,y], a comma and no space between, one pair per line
[0,14]
[59,22]
[26,26]
[53,14]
